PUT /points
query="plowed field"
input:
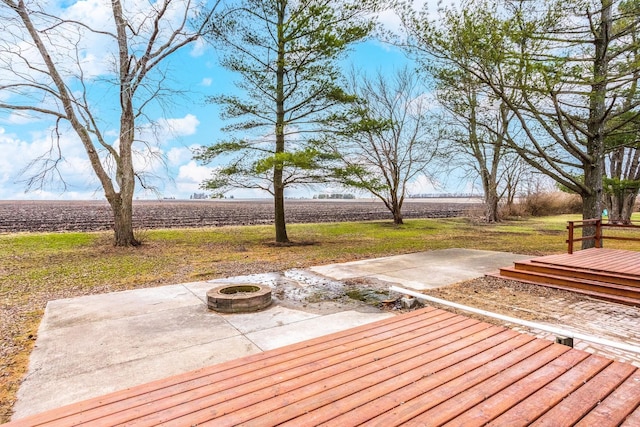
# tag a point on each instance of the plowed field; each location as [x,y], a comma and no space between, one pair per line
[95,215]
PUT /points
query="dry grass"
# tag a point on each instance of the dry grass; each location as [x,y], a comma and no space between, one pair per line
[544,204]
[36,268]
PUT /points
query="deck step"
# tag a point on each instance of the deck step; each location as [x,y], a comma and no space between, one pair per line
[625,294]
[578,273]
[592,294]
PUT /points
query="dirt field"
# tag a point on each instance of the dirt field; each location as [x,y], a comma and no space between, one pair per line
[95,215]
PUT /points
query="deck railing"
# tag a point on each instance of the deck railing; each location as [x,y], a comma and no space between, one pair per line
[598,225]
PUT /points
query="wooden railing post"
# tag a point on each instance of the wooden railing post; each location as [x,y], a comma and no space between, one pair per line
[598,237]
[570,240]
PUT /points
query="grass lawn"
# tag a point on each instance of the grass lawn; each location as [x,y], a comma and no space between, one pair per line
[38,267]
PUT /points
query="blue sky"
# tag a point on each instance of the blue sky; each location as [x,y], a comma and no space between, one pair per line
[189,122]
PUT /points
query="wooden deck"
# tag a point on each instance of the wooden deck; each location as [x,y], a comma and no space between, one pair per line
[610,274]
[428,367]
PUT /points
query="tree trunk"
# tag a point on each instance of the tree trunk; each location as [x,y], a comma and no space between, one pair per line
[397,215]
[491,199]
[491,205]
[622,184]
[279,217]
[122,201]
[278,184]
[621,206]
[488,177]
[122,210]
[594,166]
[591,209]
[628,206]
[592,198]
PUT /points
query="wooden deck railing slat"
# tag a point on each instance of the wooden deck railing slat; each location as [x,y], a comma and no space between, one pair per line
[578,404]
[596,239]
[494,406]
[553,393]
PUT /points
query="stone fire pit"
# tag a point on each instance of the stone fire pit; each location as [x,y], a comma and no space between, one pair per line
[239,298]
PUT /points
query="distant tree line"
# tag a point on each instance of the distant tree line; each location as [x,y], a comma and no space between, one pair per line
[444,195]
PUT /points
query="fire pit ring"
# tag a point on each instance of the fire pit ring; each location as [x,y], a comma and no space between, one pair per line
[239,298]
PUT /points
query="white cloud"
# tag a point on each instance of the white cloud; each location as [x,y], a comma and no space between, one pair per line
[390,20]
[179,155]
[94,66]
[422,185]
[194,173]
[17,155]
[190,176]
[51,195]
[207,81]
[250,193]
[165,130]
[20,118]
[187,125]
[97,12]
[199,48]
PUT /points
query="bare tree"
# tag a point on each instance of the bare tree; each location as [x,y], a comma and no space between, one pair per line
[44,57]
[390,141]
[476,127]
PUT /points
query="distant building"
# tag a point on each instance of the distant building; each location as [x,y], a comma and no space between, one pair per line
[324,196]
[199,196]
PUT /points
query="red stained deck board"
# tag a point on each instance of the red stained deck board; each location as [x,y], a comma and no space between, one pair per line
[609,274]
[585,399]
[426,366]
[632,420]
[323,406]
[531,408]
[409,410]
[606,260]
[431,363]
[499,403]
[494,385]
[148,393]
[617,406]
